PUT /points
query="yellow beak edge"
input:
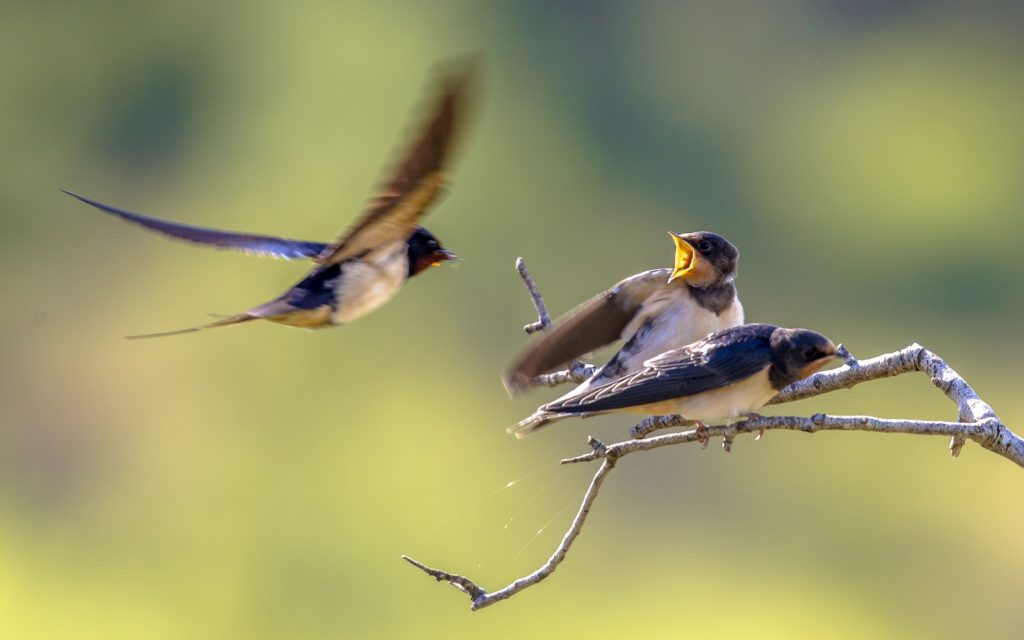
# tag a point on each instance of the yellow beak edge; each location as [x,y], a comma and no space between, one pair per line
[686,258]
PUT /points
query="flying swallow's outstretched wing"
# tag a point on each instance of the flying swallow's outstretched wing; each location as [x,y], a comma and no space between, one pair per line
[244,242]
[416,183]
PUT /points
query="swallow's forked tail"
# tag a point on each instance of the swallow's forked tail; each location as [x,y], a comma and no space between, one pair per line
[535,421]
[223,322]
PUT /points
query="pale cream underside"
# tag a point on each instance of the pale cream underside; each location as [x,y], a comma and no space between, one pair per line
[681,321]
[363,289]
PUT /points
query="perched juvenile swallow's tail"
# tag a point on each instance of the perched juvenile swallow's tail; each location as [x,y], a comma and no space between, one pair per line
[528,425]
[223,322]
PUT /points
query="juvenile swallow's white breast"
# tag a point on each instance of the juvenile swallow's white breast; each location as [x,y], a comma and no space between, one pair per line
[671,320]
[365,285]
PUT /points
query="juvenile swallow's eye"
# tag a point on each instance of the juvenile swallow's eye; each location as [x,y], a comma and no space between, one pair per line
[704,246]
[811,354]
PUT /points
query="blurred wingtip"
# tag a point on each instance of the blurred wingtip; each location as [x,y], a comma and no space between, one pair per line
[81,198]
[458,78]
[515,383]
[460,67]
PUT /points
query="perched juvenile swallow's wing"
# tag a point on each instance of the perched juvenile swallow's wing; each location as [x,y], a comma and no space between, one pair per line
[416,183]
[243,242]
[716,362]
[592,325]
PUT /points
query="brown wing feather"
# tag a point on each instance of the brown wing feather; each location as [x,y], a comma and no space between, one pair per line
[593,324]
[415,184]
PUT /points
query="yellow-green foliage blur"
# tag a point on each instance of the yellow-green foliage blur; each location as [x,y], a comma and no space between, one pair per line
[262,481]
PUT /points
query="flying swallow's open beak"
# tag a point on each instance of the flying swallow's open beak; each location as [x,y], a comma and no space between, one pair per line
[686,257]
[442,255]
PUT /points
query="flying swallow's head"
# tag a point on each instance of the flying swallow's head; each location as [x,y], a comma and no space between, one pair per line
[425,251]
[703,259]
[798,353]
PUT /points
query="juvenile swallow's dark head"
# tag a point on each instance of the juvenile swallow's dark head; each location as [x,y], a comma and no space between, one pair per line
[425,251]
[703,259]
[798,353]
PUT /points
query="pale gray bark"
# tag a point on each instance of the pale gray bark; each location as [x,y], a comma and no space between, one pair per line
[977,422]
[543,319]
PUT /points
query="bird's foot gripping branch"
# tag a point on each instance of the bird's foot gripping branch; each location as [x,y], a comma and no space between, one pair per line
[976,421]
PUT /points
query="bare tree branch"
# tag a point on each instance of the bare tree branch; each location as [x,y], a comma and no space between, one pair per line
[543,319]
[577,371]
[576,374]
[977,422]
[481,598]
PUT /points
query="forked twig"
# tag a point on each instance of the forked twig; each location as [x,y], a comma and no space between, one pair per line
[976,422]
[543,319]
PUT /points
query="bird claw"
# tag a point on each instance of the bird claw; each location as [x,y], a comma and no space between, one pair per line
[760,432]
[702,436]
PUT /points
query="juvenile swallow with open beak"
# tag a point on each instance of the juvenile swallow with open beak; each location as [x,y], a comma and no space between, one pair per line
[653,312]
[724,377]
[367,265]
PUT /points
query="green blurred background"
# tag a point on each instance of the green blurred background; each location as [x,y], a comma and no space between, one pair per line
[262,482]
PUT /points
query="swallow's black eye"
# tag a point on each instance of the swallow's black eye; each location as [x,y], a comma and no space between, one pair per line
[811,354]
[704,246]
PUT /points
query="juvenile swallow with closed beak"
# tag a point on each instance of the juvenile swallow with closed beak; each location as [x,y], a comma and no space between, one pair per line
[653,312]
[367,265]
[724,377]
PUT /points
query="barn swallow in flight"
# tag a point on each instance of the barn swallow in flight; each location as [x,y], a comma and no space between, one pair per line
[653,312]
[368,263]
[722,378]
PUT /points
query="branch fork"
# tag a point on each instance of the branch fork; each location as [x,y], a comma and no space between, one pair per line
[977,422]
